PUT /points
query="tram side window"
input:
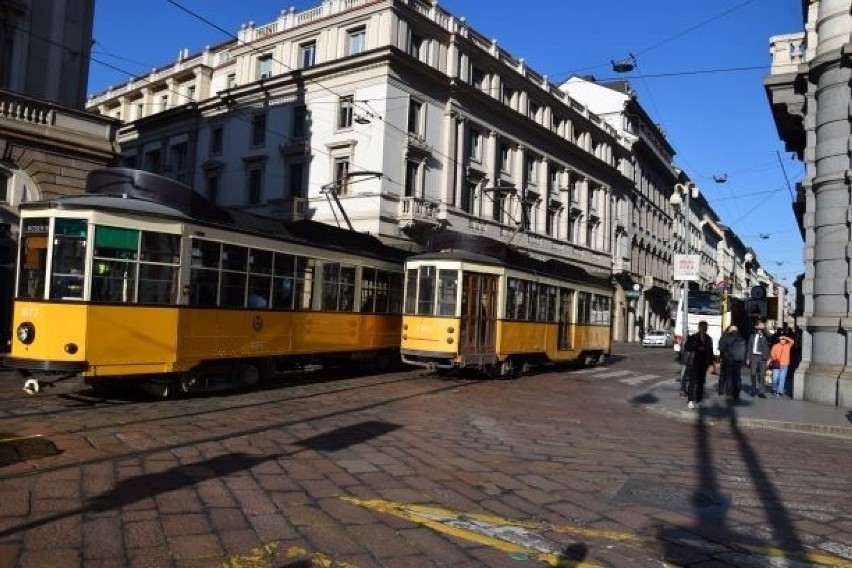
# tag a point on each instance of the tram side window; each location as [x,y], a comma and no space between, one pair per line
[69,256]
[204,276]
[159,258]
[33,269]
[600,310]
[114,267]
[232,291]
[338,287]
[426,291]
[260,278]
[584,307]
[447,292]
[532,313]
[517,299]
[369,290]
[394,293]
[552,303]
[284,281]
[411,291]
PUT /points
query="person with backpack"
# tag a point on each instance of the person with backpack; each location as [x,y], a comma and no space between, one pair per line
[732,352]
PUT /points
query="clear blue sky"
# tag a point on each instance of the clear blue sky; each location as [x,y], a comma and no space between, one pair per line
[719,122]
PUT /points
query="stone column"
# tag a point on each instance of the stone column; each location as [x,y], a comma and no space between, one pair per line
[825,373]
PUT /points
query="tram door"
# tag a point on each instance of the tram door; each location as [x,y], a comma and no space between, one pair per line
[479,311]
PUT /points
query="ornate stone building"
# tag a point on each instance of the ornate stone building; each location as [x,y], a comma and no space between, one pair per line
[809,90]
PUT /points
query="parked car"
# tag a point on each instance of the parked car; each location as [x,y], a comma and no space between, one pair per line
[658,338]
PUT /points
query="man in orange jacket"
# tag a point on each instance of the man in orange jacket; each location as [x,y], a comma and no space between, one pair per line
[779,360]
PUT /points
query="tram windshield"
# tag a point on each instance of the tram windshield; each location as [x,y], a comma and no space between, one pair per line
[69,259]
[33,258]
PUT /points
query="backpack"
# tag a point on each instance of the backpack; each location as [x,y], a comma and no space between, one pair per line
[738,350]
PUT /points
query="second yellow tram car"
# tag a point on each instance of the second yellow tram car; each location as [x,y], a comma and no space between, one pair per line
[501,312]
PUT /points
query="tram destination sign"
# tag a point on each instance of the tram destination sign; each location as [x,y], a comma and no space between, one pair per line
[686,267]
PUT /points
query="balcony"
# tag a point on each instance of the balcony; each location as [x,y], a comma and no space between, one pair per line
[786,88]
[417,143]
[416,212]
[289,208]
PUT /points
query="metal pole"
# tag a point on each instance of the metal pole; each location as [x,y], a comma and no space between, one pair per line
[685,283]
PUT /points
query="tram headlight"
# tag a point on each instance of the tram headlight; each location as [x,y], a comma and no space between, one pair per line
[25,333]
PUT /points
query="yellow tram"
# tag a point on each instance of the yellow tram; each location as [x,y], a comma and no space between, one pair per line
[499,311]
[142,279]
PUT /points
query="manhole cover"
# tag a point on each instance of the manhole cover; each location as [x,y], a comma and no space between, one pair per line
[665,495]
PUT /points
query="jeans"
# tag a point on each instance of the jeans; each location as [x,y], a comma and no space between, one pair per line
[779,379]
[697,377]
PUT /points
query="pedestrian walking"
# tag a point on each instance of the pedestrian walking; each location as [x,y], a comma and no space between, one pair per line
[698,357]
[757,357]
[779,359]
[732,354]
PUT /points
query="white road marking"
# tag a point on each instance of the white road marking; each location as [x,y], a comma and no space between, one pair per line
[639,379]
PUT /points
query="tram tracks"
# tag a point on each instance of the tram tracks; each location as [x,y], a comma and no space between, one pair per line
[120,427]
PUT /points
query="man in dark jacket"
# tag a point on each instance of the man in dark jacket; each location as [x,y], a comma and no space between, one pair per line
[732,352]
[757,354]
[698,356]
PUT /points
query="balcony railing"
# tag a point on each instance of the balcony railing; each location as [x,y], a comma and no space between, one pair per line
[416,210]
[788,52]
[289,208]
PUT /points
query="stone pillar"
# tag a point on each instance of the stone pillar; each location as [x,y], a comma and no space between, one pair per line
[825,373]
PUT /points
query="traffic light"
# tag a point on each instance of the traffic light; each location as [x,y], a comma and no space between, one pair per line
[756,308]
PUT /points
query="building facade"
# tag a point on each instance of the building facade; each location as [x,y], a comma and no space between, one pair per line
[809,89]
[48,143]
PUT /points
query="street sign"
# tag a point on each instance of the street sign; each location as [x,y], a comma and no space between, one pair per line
[686,267]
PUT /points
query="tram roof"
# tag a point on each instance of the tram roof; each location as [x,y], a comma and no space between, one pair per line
[121,198]
[461,247]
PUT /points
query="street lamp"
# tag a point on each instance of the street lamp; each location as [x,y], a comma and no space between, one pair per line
[676,201]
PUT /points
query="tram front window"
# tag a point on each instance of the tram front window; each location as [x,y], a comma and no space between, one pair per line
[69,256]
[33,269]
[447,289]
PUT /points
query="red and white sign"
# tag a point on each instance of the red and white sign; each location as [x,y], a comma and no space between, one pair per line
[686,267]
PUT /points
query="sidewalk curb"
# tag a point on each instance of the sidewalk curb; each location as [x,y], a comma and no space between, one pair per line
[688,415]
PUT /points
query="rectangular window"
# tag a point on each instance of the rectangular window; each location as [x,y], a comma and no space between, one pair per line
[297,179]
[474,145]
[293,282]
[534,110]
[32,272]
[415,117]
[69,258]
[264,67]
[584,307]
[477,78]
[508,96]
[164,102]
[341,175]
[217,140]
[177,161]
[499,206]
[231,81]
[410,291]
[415,46]
[212,188]
[356,40]
[258,129]
[426,291]
[140,111]
[468,196]
[338,287]
[300,121]
[255,185]
[5,182]
[532,171]
[412,173]
[152,161]
[307,54]
[505,158]
[190,93]
[447,288]
[344,113]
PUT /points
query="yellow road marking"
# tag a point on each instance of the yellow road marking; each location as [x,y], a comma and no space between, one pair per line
[265,557]
[442,520]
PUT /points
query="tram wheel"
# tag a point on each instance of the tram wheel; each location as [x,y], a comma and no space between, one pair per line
[506,368]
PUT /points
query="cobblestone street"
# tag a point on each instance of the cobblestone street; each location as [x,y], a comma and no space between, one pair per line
[403,469]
